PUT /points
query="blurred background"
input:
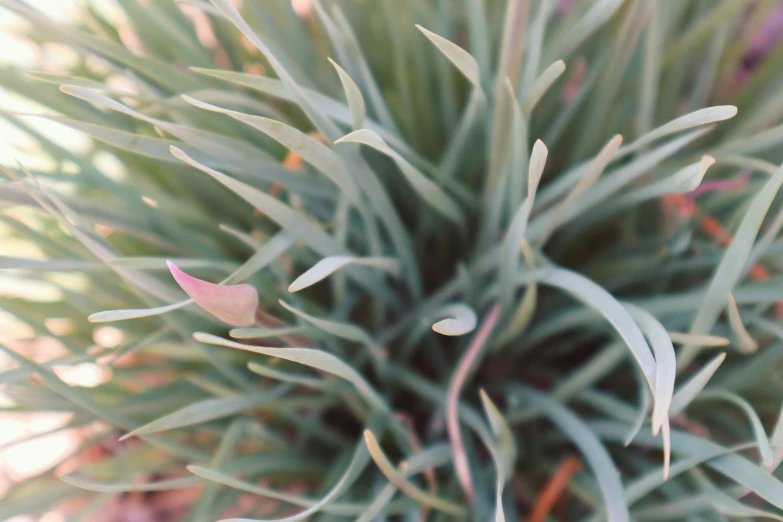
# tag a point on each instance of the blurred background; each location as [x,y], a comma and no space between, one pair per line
[32,443]
[21,460]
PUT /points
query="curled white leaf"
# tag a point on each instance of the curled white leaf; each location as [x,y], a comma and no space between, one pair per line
[460,319]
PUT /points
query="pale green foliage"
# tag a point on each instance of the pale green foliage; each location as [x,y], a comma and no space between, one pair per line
[446,232]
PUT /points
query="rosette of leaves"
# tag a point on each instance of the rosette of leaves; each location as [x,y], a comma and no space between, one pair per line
[402,259]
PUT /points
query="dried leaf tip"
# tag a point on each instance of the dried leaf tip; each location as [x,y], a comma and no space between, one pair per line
[235,305]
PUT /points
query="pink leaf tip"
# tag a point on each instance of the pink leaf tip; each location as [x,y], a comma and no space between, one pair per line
[235,305]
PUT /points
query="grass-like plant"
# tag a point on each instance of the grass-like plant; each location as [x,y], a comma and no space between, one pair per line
[472,263]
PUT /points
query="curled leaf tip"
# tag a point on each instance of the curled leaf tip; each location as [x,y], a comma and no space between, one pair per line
[235,305]
[461,320]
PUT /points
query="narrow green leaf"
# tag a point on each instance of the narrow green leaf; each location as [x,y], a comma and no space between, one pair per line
[694,119]
[730,269]
[458,56]
[123,315]
[162,485]
[732,507]
[309,357]
[61,79]
[517,230]
[351,474]
[698,340]
[310,149]
[687,392]
[336,508]
[595,453]
[512,44]
[541,85]
[279,375]
[527,305]
[651,481]
[297,224]
[374,94]
[266,254]
[619,177]
[665,362]
[327,266]
[762,442]
[591,371]
[653,43]
[264,333]
[602,302]
[503,433]
[641,416]
[423,186]
[354,97]
[594,170]
[333,108]
[203,411]
[747,343]
[429,458]
[216,145]
[598,14]
[776,441]
[538,29]
[403,484]
[732,466]
[58,265]
[346,331]
[683,181]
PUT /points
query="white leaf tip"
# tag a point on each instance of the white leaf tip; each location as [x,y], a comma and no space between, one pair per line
[201,337]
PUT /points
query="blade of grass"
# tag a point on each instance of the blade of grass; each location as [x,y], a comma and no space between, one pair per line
[309,357]
[403,484]
[595,453]
[729,271]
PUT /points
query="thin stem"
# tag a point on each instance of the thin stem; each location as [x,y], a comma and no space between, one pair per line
[456,146]
[400,482]
[468,362]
